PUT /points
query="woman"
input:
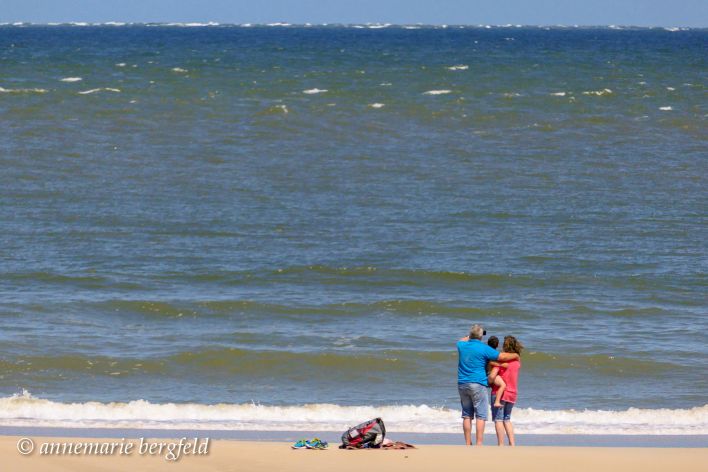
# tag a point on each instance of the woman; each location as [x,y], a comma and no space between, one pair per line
[510,374]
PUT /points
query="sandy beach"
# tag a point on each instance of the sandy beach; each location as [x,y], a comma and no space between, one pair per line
[224,455]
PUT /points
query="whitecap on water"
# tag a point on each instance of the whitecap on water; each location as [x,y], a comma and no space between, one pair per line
[376,105]
[72,79]
[314,91]
[179,70]
[459,67]
[121,64]
[558,94]
[437,92]
[665,108]
[23,90]
[598,93]
[102,89]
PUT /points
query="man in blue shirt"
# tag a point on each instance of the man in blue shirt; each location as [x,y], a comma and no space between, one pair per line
[472,380]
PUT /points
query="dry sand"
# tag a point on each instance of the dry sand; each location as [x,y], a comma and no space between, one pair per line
[227,455]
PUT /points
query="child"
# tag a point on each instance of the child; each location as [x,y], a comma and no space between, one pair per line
[493,375]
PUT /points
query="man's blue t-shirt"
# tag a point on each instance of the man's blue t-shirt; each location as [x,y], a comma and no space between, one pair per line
[473,358]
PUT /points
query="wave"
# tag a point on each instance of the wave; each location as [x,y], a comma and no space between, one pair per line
[51,277]
[25,410]
[598,93]
[606,364]
[233,361]
[217,308]
[437,92]
[190,25]
[314,91]
[23,90]
[364,275]
[96,90]
[72,79]
[369,355]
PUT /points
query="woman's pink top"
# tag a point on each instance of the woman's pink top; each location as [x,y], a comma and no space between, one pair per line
[510,375]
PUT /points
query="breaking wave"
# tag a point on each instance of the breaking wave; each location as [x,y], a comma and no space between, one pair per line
[25,410]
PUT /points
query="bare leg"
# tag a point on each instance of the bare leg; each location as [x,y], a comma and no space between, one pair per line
[499,427]
[499,382]
[510,432]
[467,430]
[480,431]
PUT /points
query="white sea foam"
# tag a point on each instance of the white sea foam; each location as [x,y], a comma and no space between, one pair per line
[437,92]
[665,108]
[25,410]
[278,24]
[101,89]
[598,93]
[385,84]
[314,91]
[459,67]
[179,70]
[378,25]
[121,64]
[193,25]
[376,105]
[670,89]
[23,90]
[72,79]
[558,94]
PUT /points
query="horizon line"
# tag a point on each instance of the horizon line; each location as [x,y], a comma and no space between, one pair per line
[366,25]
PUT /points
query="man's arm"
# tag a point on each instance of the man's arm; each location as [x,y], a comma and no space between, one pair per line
[507,356]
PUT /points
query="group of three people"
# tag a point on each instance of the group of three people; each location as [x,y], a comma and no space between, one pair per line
[480,365]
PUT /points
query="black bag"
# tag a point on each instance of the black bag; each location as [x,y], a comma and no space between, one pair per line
[369,434]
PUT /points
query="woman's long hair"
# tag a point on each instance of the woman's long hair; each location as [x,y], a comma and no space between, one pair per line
[511,344]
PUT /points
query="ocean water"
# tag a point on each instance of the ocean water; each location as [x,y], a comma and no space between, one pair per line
[289,227]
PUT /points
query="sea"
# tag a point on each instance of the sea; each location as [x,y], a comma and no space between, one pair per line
[284,227]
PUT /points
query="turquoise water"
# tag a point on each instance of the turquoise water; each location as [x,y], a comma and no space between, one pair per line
[284,216]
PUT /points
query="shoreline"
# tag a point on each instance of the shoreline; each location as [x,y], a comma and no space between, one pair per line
[446,439]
